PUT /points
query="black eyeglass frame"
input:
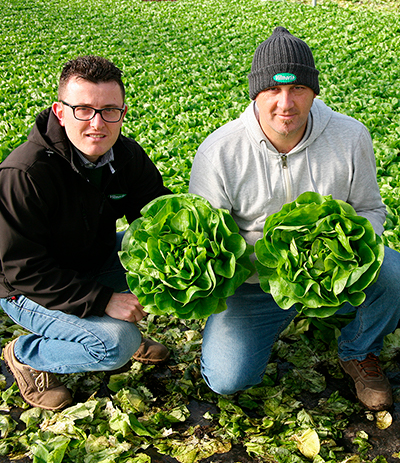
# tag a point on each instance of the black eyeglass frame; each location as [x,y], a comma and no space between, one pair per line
[100,111]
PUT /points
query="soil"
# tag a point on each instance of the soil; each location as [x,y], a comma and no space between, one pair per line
[385,443]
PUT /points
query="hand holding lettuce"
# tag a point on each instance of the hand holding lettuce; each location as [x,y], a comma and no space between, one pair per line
[183,257]
[318,253]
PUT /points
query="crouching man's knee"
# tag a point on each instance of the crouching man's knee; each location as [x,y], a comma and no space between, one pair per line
[115,350]
[225,384]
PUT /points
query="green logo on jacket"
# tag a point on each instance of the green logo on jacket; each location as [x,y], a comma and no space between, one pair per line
[284,78]
[117,196]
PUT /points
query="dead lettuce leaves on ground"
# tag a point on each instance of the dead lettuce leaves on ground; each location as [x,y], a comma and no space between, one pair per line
[149,408]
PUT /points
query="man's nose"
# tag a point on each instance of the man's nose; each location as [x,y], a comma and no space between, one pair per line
[97,121]
[285,99]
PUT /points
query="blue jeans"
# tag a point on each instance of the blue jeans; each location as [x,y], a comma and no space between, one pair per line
[237,343]
[64,343]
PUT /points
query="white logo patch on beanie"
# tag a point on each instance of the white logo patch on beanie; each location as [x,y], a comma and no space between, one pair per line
[284,78]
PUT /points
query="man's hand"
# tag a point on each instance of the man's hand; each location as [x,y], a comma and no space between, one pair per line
[125,306]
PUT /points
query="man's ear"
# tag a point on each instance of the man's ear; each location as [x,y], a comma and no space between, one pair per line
[58,110]
[125,111]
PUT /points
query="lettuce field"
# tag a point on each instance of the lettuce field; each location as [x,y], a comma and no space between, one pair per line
[185,66]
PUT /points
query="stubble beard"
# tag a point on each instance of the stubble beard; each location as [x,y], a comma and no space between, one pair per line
[286,128]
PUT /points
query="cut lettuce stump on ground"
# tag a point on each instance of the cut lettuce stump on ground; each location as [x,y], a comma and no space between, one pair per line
[318,254]
[183,257]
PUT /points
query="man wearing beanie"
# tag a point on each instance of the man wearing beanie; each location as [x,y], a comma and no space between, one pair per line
[288,142]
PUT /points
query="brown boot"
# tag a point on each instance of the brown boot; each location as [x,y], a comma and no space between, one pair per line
[151,353]
[372,386]
[37,388]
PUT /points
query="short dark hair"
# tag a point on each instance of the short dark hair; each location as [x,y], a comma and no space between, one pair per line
[95,69]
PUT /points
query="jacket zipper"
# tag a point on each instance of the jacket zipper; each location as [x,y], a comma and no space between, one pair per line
[288,185]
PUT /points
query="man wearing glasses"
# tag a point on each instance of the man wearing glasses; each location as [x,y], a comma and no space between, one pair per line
[61,193]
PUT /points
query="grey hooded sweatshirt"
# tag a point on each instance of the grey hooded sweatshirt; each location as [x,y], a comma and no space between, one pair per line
[238,169]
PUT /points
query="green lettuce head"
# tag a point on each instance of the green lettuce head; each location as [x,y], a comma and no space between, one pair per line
[183,257]
[318,254]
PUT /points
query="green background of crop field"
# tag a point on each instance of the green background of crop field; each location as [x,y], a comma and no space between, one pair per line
[186,63]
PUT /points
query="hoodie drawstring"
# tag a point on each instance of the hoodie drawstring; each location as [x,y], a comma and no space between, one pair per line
[264,149]
[314,185]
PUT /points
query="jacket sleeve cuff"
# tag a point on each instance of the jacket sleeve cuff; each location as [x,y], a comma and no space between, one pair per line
[100,303]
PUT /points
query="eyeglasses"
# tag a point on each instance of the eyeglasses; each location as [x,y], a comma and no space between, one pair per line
[86,113]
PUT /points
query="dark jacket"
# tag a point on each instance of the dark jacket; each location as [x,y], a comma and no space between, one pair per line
[55,225]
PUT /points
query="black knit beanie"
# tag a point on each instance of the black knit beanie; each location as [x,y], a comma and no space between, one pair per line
[282,59]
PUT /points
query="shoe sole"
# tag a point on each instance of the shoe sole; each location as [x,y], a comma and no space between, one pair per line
[377,408]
